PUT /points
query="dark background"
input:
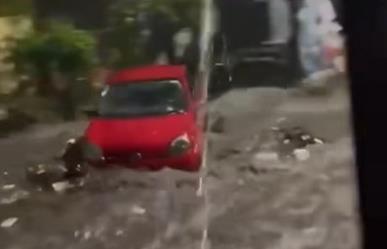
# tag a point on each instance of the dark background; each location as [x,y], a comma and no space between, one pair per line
[365,23]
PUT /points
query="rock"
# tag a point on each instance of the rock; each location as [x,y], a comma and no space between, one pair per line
[7,223]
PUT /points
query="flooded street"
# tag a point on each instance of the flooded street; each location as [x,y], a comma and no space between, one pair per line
[254,201]
[115,208]
[259,201]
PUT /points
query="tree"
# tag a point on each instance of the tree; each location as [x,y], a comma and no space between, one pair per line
[15,7]
[128,19]
[54,59]
[62,49]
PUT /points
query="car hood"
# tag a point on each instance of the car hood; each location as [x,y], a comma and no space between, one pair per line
[153,134]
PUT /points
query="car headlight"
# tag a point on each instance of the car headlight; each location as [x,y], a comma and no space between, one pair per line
[180,145]
[92,151]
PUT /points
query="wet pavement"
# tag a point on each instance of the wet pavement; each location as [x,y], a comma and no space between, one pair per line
[249,200]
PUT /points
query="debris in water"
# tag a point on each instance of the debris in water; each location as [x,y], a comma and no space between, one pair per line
[219,125]
[45,175]
[9,222]
[137,184]
[252,169]
[138,210]
[281,120]
[76,234]
[301,154]
[9,186]
[61,186]
[291,142]
[266,156]
[212,173]
[241,182]
[185,182]
[119,232]
[286,141]
[14,197]
[223,154]
[297,136]
[5,173]
[40,169]
[87,235]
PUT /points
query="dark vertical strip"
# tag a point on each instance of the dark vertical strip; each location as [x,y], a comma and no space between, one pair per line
[366,25]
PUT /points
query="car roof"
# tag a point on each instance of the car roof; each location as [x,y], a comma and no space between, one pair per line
[147,73]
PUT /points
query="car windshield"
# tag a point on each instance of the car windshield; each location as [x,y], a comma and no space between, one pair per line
[142,99]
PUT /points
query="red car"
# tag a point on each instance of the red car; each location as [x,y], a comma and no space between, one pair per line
[148,119]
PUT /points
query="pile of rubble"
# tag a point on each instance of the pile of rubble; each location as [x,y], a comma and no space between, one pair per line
[281,146]
[53,177]
[293,142]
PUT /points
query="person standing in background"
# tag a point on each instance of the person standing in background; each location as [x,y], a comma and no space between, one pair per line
[316,27]
[308,37]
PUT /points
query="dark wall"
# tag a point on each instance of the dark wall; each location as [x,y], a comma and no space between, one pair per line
[337,4]
[244,22]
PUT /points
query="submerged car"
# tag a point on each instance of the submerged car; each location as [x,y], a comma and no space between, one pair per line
[148,118]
